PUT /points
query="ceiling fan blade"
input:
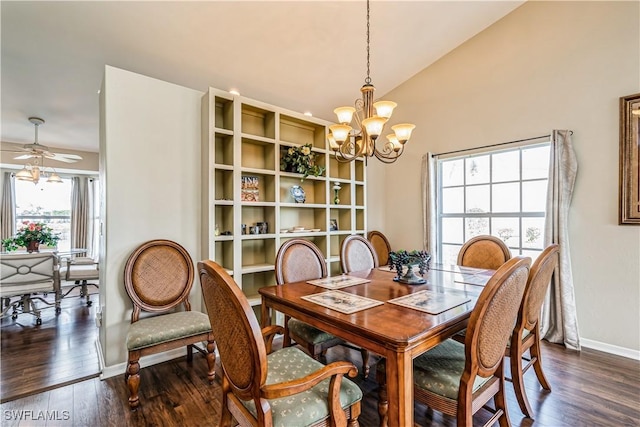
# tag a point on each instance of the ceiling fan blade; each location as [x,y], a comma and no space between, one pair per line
[61,157]
[25,156]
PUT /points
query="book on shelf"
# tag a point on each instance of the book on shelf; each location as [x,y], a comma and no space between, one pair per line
[249,189]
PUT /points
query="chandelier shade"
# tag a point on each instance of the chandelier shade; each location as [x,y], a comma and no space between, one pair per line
[349,143]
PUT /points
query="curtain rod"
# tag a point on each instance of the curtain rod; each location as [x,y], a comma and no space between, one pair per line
[492,145]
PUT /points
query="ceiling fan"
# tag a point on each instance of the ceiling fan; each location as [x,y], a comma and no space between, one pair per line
[39,151]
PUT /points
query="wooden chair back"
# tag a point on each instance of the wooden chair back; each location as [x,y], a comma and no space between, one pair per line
[357,254]
[381,245]
[238,335]
[526,334]
[297,260]
[484,252]
[158,277]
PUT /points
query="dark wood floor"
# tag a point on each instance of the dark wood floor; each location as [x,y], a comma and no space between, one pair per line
[62,350]
[589,389]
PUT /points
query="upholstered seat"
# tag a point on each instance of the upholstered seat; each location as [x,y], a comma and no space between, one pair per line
[381,245]
[79,270]
[484,252]
[158,277]
[263,388]
[459,379]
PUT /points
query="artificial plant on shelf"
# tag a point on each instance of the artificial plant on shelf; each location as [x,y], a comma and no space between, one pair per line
[31,235]
[302,160]
[400,259]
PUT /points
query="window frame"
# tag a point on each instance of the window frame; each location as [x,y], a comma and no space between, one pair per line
[490,215]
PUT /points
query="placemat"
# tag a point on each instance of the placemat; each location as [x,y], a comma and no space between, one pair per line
[343,302]
[432,302]
[338,282]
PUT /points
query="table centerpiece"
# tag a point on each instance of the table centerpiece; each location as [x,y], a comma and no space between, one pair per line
[401,259]
[31,235]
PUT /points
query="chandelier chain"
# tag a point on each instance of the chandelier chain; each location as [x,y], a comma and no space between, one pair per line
[368,79]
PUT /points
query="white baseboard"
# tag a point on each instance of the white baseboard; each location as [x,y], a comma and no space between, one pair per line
[610,348]
[154,359]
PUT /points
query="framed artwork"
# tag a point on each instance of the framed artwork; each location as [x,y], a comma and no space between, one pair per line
[333,224]
[629,189]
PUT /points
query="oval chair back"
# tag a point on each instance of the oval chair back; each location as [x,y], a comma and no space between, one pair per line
[357,254]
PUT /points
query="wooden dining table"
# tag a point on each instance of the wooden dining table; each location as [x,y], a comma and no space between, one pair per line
[395,332]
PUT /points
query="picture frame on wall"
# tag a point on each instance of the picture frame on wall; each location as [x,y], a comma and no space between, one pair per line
[333,224]
[629,188]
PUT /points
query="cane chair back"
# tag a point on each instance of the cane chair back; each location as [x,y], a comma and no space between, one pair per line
[459,379]
[484,252]
[158,277]
[357,254]
[381,246]
[264,388]
[526,334]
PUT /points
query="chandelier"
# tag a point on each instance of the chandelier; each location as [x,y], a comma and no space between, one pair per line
[370,117]
[35,172]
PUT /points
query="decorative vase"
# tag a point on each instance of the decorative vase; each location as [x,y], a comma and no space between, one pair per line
[33,247]
[336,189]
[410,277]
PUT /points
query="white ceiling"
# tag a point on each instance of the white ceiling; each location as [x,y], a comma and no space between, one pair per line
[301,55]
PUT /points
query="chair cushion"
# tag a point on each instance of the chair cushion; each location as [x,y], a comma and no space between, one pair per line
[165,328]
[439,370]
[309,333]
[80,272]
[310,406]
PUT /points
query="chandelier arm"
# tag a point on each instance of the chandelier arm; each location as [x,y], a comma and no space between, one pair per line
[387,158]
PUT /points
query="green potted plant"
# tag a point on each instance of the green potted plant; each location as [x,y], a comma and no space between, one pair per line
[31,235]
[401,259]
[301,160]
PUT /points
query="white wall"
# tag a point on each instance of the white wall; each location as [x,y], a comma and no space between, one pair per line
[547,65]
[150,170]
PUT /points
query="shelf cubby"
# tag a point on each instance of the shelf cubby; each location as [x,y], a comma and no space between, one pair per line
[300,132]
[315,190]
[343,216]
[224,218]
[339,170]
[307,217]
[224,254]
[258,121]
[344,194]
[257,154]
[223,149]
[223,184]
[360,194]
[360,220]
[252,214]
[258,254]
[266,187]
[359,170]
[223,113]
[252,282]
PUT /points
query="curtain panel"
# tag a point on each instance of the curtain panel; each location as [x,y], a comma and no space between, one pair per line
[8,208]
[82,214]
[429,210]
[559,322]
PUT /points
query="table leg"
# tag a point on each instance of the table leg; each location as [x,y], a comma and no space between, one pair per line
[265,314]
[399,370]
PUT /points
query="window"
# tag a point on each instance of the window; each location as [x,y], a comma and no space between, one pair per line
[46,202]
[501,193]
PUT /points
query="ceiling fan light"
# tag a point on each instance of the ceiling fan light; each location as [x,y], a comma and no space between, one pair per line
[24,174]
[54,178]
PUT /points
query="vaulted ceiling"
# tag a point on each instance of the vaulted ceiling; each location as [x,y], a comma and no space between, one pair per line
[301,55]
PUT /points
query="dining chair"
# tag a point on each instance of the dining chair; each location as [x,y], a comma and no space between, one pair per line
[22,277]
[526,334]
[79,270]
[459,379]
[261,387]
[298,260]
[158,277]
[381,246]
[357,254]
[484,252]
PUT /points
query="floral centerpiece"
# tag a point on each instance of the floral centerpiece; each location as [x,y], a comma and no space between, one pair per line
[302,160]
[398,260]
[30,235]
